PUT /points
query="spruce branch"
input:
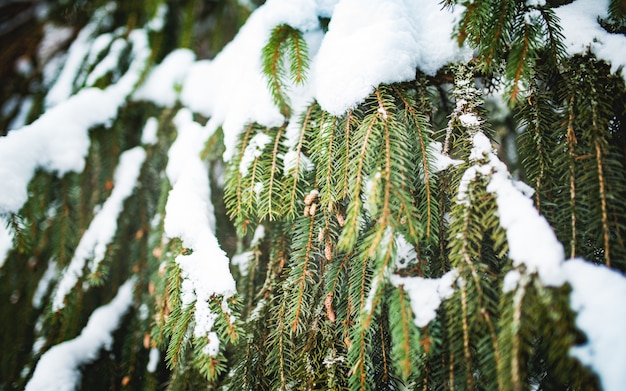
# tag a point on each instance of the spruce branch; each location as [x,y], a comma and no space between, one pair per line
[283,40]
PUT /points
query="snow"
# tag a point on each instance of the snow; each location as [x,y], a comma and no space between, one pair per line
[370,42]
[164,82]
[469,119]
[58,141]
[59,368]
[92,247]
[582,32]
[259,234]
[597,297]
[153,360]
[440,161]
[63,88]
[425,294]
[597,291]
[109,63]
[21,118]
[405,253]
[149,133]
[295,159]
[254,149]
[536,3]
[43,286]
[531,240]
[189,216]
[239,93]
[511,279]
[158,21]
[54,37]
[242,261]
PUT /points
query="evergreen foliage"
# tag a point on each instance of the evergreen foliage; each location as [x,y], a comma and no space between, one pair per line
[342,229]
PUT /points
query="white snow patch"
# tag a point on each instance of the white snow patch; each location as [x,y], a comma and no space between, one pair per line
[425,294]
[597,297]
[531,240]
[254,149]
[259,234]
[405,253]
[153,360]
[54,37]
[59,368]
[189,216]
[582,32]
[238,89]
[93,244]
[149,133]
[164,82]
[64,85]
[294,158]
[440,161]
[370,42]
[21,118]
[511,280]
[109,63]
[44,284]
[59,140]
[469,119]
[242,261]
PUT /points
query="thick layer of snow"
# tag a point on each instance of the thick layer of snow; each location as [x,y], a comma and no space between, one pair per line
[597,297]
[164,82]
[582,32]
[370,42]
[59,140]
[531,240]
[597,290]
[238,89]
[59,368]
[93,244]
[189,216]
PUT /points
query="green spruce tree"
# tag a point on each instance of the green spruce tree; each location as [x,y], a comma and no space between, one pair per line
[190,199]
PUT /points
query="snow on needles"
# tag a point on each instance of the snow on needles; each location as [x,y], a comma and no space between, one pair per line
[58,141]
[59,368]
[582,32]
[597,291]
[367,43]
[370,42]
[238,89]
[165,81]
[597,296]
[425,294]
[531,240]
[94,242]
[189,216]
